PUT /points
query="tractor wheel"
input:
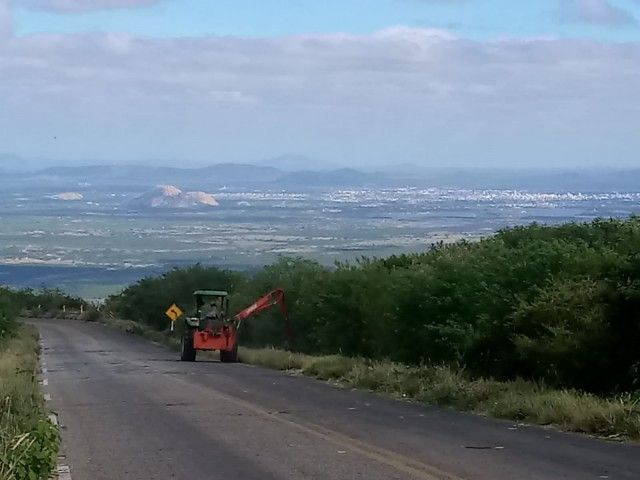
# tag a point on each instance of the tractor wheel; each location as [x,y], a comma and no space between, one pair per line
[229,357]
[187,352]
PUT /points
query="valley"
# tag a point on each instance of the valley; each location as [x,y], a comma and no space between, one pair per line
[92,237]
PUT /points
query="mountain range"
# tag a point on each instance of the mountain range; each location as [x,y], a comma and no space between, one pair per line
[270,177]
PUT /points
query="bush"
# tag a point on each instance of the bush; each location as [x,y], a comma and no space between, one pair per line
[31,455]
[148,299]
[518,400]
[92,314]
[28,441]
[48,302]
[560,304]
[9,309]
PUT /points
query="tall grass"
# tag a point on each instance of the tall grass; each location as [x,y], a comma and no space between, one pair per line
[28,441]
[517,400]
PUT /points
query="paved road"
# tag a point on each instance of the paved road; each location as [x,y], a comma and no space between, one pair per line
[130,410]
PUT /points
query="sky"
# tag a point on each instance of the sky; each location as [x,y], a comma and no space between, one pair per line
[361,83]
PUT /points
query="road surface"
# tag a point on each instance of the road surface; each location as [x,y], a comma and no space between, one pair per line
[130,410]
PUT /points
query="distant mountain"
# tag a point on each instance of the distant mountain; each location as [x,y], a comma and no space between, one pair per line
[296,163]
[344,177]
[205,178]
[14,164]
[113,178]
[168,196]
[214,176]
[225,173]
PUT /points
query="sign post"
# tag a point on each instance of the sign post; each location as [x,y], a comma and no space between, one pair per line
[174,313]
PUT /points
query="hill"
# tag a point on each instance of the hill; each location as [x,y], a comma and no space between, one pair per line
[168,196]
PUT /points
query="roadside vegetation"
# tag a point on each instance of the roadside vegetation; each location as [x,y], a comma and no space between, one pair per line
[539,323]
[47,303]
[518,400]
[558,304]
[614,417]
[28,440]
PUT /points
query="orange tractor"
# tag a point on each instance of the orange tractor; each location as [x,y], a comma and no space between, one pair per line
[212,328]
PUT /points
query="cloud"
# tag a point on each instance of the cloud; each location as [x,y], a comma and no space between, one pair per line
[414,35]
[599,12]
[82,6]
[6,23]
[405,63]
[399,90]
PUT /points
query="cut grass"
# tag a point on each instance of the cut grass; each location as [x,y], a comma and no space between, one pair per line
[28,441]
[518,400]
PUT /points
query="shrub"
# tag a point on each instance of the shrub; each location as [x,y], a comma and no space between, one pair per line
[28,441]
[559,304]
[92,314]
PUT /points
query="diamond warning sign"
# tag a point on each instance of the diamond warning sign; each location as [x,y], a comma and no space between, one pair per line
[174,312]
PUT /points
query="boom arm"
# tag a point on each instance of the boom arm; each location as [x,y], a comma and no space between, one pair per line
[263,303]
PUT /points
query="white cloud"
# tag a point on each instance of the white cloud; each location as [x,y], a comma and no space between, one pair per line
[82,6]
[403,63]
[411,89]
[414,34]
[600,12]
[5,19]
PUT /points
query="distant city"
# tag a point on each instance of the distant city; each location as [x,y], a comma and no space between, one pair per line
[92,230]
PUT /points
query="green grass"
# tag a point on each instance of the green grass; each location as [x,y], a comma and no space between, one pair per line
[28,441]
[520,400]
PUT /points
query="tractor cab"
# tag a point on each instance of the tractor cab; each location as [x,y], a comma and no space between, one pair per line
[211,305]
[210,328]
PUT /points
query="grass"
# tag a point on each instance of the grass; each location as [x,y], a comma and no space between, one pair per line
[28,441]
[520,400]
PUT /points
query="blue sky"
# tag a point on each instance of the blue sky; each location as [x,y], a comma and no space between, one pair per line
[476,19]
[363,83]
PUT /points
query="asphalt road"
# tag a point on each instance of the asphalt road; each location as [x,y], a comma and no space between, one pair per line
[130,410]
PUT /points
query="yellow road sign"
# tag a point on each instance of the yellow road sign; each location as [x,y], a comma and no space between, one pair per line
[174,312]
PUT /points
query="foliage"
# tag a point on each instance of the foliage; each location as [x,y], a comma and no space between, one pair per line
[38,303]
[47,302]
[559,304]
[28,441]
[30,455]
[9,309]
[91,314]
[519,400]
[148,299]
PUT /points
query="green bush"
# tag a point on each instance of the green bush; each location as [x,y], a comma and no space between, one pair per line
[9,309]
[48,302]
[559,304]
[148,299]
[28,441]
[31,455]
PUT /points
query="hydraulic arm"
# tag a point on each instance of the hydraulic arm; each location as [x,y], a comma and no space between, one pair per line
[269,300]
